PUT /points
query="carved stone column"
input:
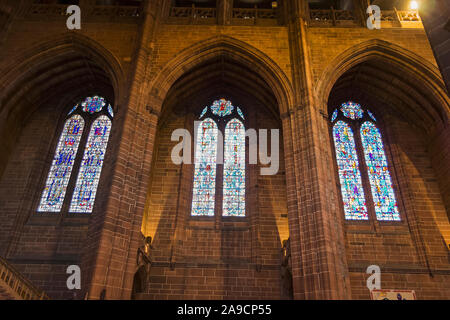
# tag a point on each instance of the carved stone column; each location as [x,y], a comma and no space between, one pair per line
[359,9]
[436,21]
[224,11]
[109,258]
[319,267]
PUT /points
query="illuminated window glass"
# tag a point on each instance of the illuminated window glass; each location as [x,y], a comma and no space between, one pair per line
[334,115]
[222,108]
[240,113]
[234,169]
[110,111]
[349,174]
[352,110]
[371,115]
[93,104]
[380,179]
[203,198]
[73,109]
[91,166]
[203,112]
[58,177]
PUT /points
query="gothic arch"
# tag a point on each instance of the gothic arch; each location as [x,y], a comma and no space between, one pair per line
[404,61]
[49,52]
[60,69]
[215,47]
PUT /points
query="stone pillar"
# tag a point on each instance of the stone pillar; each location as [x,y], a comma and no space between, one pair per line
[224,11]
[435,16]
[110,255]
[319,267]
[360,11]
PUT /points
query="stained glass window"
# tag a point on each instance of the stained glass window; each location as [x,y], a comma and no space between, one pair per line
[349,174]
[334,115]
[203,199]
[352,110]
[58,177]
[91,166]
[371,115]
[222,108]
[111,111]
[93,104]
[72,110]
[203,112]
[234,169]
[380,179]
[240,113]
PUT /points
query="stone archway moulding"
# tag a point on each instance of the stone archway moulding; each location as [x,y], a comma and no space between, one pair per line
[48,48]
[219,46]
[405,59]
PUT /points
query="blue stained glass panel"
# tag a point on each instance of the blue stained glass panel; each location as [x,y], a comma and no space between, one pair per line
[58,177]
[110,111]
[234,169]
[380,179]
[371,115]
[240,113]
[72,110]
[91,166]
[203,112]
[203,194]
[334,115]
[349,175]
[352,110]
[93,104]
[222,108]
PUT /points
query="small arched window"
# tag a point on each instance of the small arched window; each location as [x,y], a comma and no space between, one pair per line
[96,114]
[220,117]
[367,145]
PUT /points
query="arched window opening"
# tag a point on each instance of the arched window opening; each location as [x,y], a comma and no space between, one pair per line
[96,113]
[224,117]
[349,118]
[58,177]
[91,166]
[203,199]
[234,169]
[349,174]
[379,177]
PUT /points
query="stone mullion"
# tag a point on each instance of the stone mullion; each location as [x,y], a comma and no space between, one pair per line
[218,207]
[314,274]
[110,257]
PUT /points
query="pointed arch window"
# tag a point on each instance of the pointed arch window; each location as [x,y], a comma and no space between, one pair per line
[350,117]
[220,117]
[91,166]
[58,177]
[234,169]
[204,191]
[349,174]
[96,114]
